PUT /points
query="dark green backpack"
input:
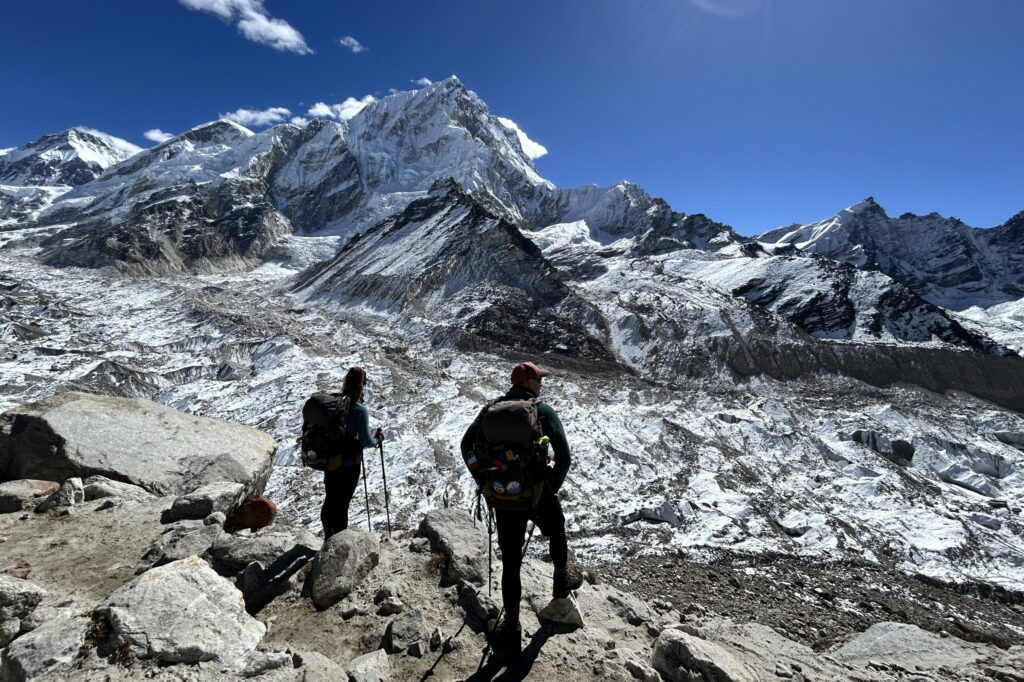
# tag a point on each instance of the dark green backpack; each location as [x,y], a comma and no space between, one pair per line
[510,454]
[324,425]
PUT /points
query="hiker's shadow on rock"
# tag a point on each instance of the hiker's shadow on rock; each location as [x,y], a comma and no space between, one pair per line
[260,587]
[499,668]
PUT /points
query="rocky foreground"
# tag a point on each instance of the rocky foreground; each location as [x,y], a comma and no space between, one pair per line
[122,557]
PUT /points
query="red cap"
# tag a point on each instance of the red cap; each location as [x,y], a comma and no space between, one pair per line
[525,371]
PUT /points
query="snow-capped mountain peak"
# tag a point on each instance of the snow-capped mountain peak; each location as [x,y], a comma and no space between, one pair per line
[867,206]
[222,130]
[70,157]
[409,140]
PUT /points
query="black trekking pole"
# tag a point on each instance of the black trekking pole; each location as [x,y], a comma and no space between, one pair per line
[366,492]
[384,474]
[490,549]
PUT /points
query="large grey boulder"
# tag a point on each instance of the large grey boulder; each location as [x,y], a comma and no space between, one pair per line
[263,662]
[181,613]
[344,562]
[315,667]
[99,487]
[909,646]
[230,554]
[133,441]
[562,615]
[741,651]
[478,606]
[18,599]
[24,494]
[219,496]
[452,534]
[630,609]
[406,634]
[681,657]
[52,645]
[371,667]
[182,540]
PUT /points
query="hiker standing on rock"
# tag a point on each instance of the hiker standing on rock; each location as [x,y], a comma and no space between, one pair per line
[506,450]
[336,429]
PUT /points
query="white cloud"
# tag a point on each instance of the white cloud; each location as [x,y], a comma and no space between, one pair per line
[352,44]
[730,9]
[157,135]
[341,112]
[116,142]
[422,82]
[256,117]
[254,23]
[320,110]
[299,120]
[532,149]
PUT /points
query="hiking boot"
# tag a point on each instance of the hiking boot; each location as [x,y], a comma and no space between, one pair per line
[508,636]
[566,580]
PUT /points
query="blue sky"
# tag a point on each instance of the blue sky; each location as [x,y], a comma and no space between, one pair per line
[758,113]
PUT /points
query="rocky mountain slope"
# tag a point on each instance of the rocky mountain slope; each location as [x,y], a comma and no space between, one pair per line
[278,603]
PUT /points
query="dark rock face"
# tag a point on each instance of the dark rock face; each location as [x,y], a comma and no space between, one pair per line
[113,378]
[449,256]
[1006,241]
[828,299]
[512,322]
[320,181]
[899,451]
[828,312]
[670,231]
[998,379]
[18,204]
[201,233]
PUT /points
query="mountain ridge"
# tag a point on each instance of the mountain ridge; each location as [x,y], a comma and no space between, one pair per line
[943,259]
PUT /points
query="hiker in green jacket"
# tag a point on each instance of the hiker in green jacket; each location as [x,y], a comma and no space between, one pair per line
[527,379]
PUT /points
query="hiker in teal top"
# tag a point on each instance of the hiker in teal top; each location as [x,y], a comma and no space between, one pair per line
[359,426]
[547,515]
[340,481]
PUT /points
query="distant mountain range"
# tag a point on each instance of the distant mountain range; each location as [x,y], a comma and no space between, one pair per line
[948,262]
[434,204]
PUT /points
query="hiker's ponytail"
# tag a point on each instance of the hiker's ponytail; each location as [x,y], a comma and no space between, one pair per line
[354,382]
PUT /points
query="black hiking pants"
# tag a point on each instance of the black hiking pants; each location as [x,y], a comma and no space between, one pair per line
[339,485]
[511,527]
